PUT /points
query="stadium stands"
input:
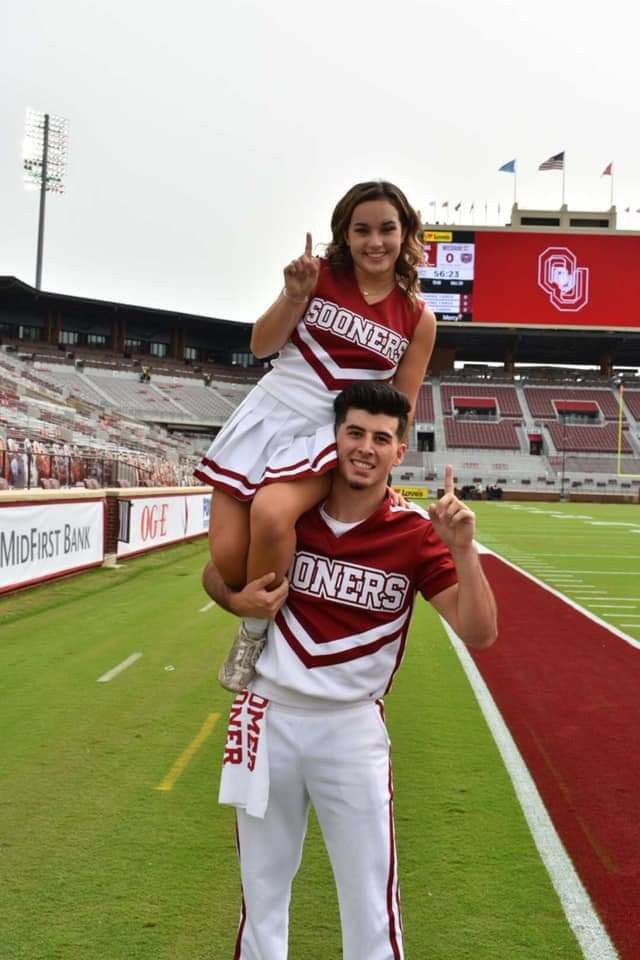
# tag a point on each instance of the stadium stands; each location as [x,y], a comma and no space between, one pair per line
[540,400]
[587,438]
[506,398]
[632,401]
[594,464]
[203,404]
[424,404]
[480,434]
[133,398]
[92,423]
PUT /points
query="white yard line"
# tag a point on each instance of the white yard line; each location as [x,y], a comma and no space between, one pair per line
[605,573]
[578,909]
[601,556]
[207,606]
[614,606]
[110,674]
[635,599]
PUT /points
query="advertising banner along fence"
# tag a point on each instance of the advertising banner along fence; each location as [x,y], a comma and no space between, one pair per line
[148,522]
[43,540]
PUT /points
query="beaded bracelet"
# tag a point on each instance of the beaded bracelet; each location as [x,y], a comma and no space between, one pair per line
[292,299]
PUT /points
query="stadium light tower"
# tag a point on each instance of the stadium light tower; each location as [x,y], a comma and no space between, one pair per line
[44,164]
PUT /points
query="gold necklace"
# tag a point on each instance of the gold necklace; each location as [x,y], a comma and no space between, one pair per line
[371,293]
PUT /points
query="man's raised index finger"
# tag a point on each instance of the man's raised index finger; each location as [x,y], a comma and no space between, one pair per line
[308,247]
[448,479]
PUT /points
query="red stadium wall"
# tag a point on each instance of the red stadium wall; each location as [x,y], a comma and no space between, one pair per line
[581,280]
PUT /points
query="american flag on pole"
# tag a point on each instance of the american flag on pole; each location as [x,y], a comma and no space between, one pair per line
[608,170]
[553,163]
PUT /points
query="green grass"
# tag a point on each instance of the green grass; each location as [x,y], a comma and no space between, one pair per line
[96,862]
[588,551]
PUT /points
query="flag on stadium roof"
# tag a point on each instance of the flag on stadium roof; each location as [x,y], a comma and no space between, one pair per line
[471,208]
[458,205]
[556,162]
[508,167]
[432,203]
[446,203]
[608,170]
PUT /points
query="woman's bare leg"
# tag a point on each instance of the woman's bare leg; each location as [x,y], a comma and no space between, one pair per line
[274,512]
[229,538]
[270,536]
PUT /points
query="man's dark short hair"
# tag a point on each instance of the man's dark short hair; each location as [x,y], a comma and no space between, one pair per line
[374,398]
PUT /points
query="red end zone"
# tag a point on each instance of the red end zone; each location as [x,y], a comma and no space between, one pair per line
[569,691]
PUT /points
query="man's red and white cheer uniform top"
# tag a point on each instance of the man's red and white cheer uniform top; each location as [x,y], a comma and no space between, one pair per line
[341,634]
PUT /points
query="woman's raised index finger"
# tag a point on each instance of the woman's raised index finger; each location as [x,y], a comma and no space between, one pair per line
[308,247]
[448,479]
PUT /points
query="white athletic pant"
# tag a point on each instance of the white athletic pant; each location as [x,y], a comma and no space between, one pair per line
[337,760]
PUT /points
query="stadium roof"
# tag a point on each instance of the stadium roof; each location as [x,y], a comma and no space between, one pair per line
[20,292]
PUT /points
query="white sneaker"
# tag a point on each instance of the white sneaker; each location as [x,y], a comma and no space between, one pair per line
[238,670]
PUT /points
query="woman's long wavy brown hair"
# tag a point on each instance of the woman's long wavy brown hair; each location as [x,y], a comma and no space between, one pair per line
[338,253]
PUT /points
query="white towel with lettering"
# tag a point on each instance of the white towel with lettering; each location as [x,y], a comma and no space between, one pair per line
[244,782]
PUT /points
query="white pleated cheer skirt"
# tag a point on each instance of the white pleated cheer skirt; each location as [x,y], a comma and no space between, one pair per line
[264,442]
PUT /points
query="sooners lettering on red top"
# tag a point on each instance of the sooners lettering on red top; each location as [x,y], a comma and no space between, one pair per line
[350,583]
[345,339]
[351,595]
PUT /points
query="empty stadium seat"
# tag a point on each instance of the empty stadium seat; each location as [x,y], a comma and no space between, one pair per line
[507,403]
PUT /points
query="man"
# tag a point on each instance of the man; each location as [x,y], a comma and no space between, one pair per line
[310,729]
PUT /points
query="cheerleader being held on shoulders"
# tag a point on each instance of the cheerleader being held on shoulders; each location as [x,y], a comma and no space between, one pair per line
[354,314]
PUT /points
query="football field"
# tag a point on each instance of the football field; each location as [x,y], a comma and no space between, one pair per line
[112,842]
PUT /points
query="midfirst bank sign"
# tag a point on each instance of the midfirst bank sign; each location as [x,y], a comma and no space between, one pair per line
[38,541]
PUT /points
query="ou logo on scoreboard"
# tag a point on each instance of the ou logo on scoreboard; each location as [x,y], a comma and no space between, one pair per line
[565,283]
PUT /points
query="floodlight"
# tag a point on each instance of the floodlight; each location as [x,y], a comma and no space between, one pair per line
[44,164]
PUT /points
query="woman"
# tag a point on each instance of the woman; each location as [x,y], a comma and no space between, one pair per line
[353,315]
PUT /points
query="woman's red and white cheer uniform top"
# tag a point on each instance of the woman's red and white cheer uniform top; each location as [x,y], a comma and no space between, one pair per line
[283,430]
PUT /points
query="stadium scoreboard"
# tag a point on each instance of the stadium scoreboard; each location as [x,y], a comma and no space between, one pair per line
[447,273]
[531,278]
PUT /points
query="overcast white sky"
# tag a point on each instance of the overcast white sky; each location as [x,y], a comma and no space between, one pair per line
[207,137]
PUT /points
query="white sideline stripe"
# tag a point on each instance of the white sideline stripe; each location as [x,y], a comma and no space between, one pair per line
[207,606]
[110,674]
[592,937]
